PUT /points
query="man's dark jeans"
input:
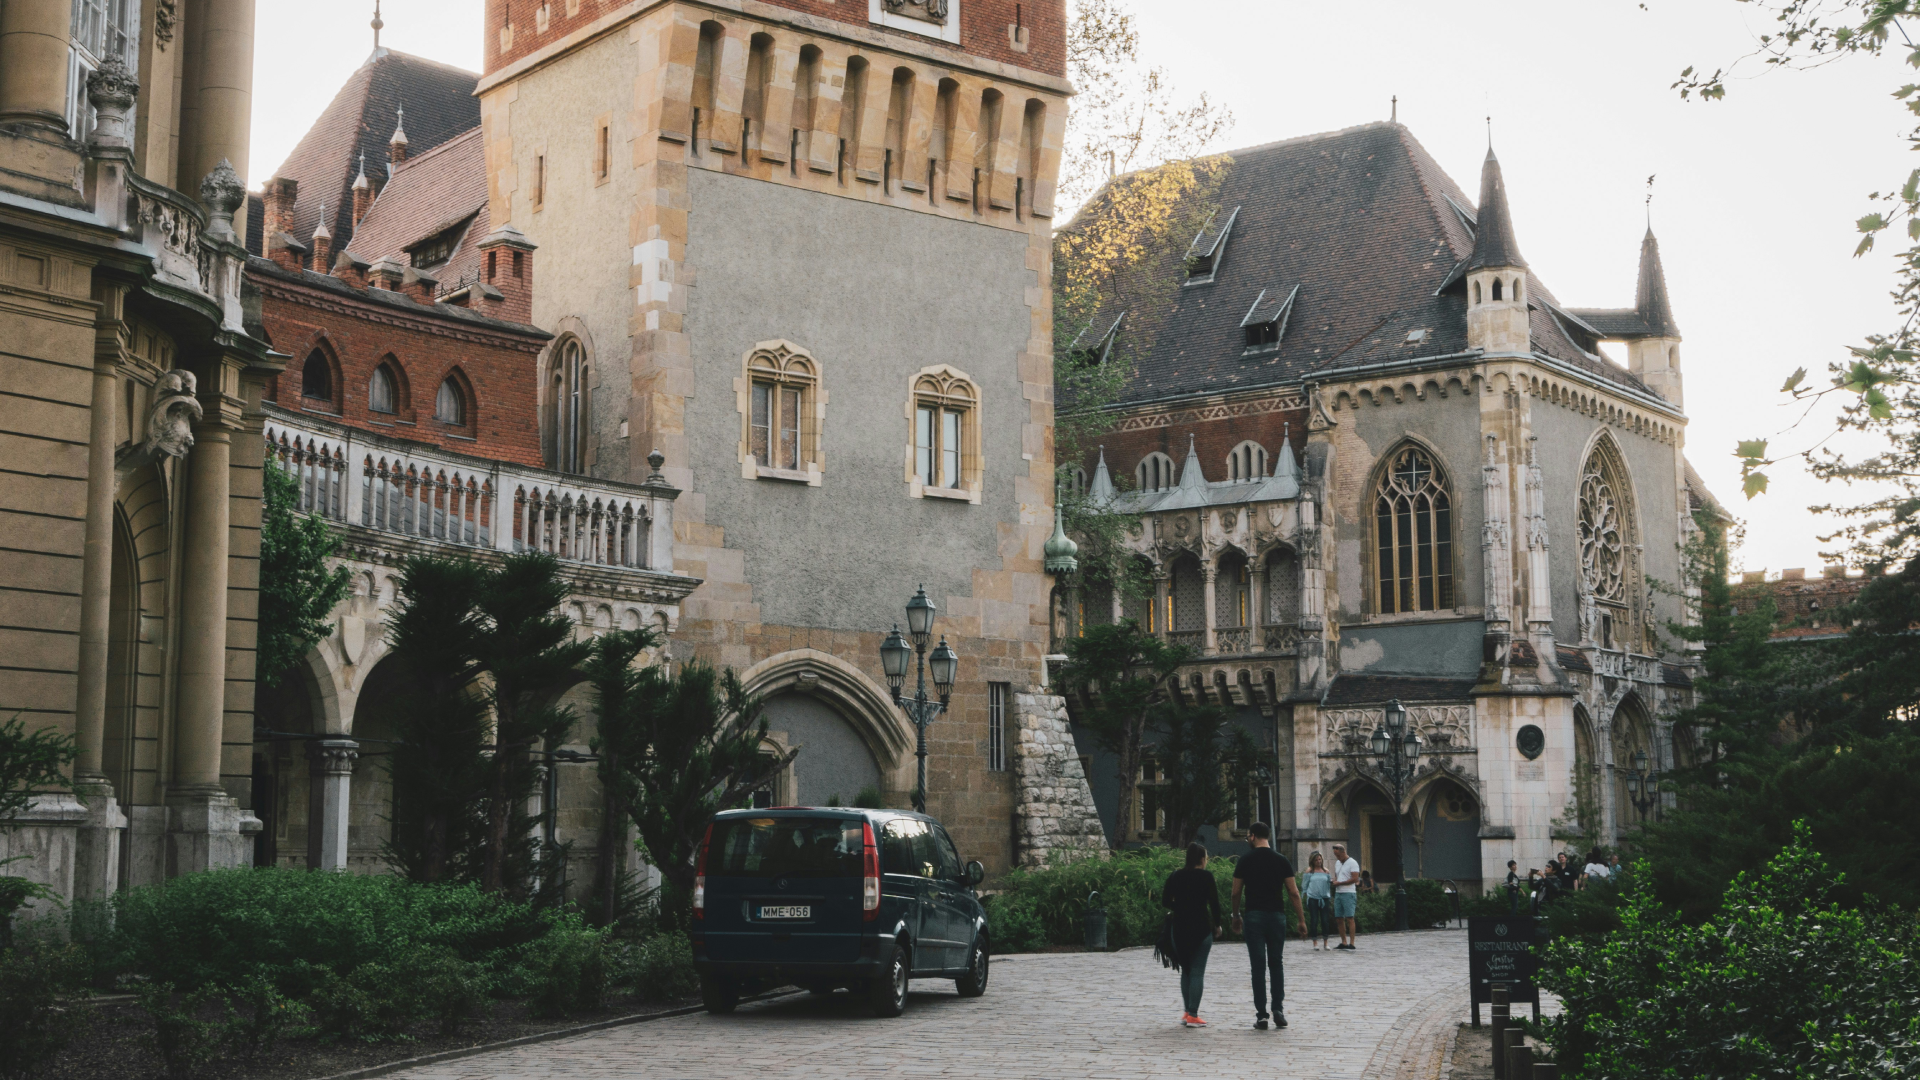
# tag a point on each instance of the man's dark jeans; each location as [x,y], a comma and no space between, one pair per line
[1266,933]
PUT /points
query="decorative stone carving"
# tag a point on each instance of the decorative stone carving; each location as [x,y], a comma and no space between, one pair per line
[111,89]
[166,15]
[934,11]
[175,411]
[1443,728]
[221,192]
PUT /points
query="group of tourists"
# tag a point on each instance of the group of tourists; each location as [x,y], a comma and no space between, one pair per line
[1323,899]
[1562,874]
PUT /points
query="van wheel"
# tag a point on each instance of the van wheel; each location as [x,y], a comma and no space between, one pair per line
[887,991]
[718,995]
[974,982]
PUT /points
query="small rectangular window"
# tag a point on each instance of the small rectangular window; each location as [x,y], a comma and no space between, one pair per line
[949,449]
[540,180]
[997,726]
[923,465]
[789,451]
[761,441]
[603,158]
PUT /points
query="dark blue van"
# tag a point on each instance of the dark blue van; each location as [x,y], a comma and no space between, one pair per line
[826,898]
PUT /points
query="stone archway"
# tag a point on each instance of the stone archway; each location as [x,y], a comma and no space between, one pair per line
[839,701]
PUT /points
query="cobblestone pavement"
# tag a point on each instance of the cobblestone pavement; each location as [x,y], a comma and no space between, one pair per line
[1386,1011]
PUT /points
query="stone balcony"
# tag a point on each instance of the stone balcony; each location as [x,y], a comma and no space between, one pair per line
[392,498]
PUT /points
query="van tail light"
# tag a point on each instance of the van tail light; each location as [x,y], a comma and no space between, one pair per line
[700,877]
[870,881]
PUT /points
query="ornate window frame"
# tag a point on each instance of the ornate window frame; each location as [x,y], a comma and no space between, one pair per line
[780,364]
[943,387]
[566,403]
[1447,602]
[1607,572]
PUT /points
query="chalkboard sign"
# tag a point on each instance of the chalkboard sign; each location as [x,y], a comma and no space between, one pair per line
[1500,949]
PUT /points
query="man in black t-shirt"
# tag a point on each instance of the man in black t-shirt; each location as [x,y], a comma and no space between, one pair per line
[1261,877]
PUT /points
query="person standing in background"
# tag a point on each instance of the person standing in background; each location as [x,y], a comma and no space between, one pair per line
[1346,897]
[1316,887]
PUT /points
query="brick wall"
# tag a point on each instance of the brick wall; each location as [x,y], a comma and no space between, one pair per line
[500,368]
[1213,438]
[984,27]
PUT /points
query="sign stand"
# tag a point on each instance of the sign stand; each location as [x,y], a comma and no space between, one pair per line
[1500,949]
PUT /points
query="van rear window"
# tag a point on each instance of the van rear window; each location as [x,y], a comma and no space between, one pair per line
[786,846]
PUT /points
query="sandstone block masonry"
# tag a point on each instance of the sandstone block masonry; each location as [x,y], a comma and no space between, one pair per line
[1056,815]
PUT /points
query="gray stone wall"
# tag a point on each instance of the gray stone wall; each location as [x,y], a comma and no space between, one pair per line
[1054,810]
[875,293]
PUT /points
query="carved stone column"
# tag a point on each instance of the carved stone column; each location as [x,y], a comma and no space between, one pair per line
[329,790]
[1539,579]
[216,104]
[1496,553]
[1210,640]
[33,76]
[1162,602]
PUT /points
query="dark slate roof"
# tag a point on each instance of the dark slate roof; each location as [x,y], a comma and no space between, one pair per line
[1675,675]
[1652,312]
[440,105]
[390,299]
[1572,659]
[1493,241]
[1375,689]
[1370,228]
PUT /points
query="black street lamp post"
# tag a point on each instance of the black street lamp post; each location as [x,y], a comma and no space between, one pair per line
[1643,786]
[895,654]
[1396,750]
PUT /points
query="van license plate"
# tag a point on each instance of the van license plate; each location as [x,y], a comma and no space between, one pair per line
[790,911]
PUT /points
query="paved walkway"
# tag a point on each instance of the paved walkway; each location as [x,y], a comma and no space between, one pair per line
[1385,1011]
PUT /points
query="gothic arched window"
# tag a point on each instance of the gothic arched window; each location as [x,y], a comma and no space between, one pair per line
[568,419]
[1607,573]
[450,403]
[381,391]
[1248,461]
[1155,472]
[316,377]
[1413,536]
[783,409]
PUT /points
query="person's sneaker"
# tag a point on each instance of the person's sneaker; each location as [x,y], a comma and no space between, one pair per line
[1279,1020]
[1260,1022]
[1345,946]
[1193,1021]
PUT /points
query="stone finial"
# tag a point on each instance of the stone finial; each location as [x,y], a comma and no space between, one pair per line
[221,192]
[111,89]
[175,409]
[1060,550]
[654,461]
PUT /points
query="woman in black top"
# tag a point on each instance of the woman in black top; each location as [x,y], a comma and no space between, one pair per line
[1194,898]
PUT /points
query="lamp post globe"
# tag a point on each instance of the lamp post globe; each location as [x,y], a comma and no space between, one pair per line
[1412,746]
[1396,716]
[895,656]
[1382,744]
[1396,749]
[945,666]
[920,611]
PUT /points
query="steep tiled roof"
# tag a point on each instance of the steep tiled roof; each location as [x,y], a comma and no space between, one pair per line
[429,195]
[1652,312]
[440,105]
[387,298]
[1493,240]
[1370,228]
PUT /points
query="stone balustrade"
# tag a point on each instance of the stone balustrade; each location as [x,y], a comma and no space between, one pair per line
[393,486]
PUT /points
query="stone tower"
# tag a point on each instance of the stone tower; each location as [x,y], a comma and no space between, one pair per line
[1655,357]
[1496,274]
[803,251]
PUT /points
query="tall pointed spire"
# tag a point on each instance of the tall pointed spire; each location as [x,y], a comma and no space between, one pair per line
[1493,242]
[1650,298]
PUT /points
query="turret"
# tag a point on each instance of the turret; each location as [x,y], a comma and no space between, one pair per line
[362,192]
[397,146]
[1656,356]
[1496,274]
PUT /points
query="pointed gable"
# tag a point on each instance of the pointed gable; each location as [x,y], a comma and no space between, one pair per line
[1493,241]
[361,120]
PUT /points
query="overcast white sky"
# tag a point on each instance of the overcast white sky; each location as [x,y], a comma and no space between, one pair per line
[1753,206]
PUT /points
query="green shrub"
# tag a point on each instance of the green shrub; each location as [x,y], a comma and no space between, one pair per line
[1494,902]
[183,1034]
[265,1015]
[38,1018]
[1778,983]
[1038,908]
[1373,912]
[657,968]
[568,971]
[222,927]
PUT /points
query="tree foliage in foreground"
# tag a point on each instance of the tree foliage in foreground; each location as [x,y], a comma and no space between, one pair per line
[1781,982]
[1117,676]
[297,590]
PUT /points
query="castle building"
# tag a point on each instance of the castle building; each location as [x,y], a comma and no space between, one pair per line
[1376,460]
[131,388]
[803,249]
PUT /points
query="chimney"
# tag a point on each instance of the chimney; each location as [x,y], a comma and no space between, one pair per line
[507,265]
[1798,573]
[385,274]
[362,192]
[418,285]
[322,244]
[276,226]
[397,146]
[350,269]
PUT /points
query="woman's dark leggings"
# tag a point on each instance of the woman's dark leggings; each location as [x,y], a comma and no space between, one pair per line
[1193,975]
[1319,919]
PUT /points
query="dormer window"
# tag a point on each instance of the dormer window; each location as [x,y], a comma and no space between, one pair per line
[1092,346]
[1209,248]
[433,252]
[1266,321]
